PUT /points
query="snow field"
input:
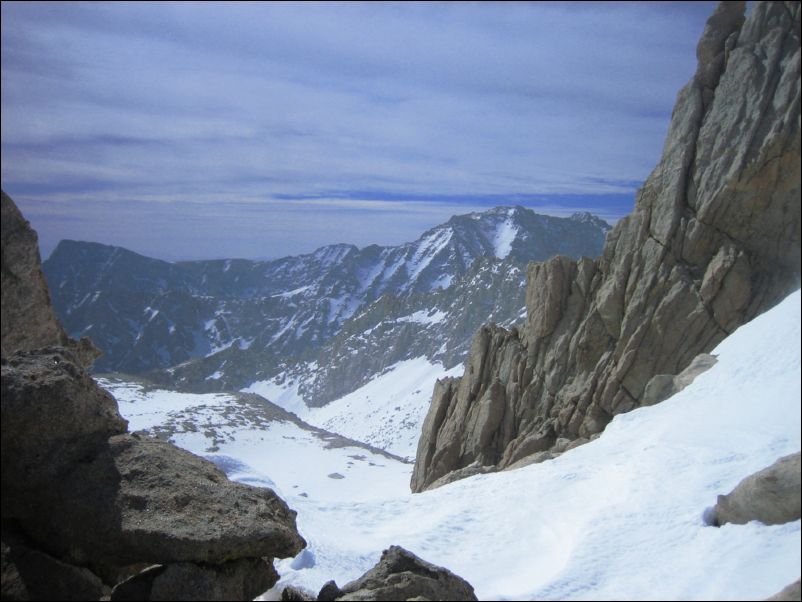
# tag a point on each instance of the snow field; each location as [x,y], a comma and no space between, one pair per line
[294,461]
[618,518]
[387,412]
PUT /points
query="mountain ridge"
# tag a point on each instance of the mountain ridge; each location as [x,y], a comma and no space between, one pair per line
[148,314]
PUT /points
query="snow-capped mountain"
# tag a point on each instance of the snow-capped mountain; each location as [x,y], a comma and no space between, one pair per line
[607,520]
[222,324]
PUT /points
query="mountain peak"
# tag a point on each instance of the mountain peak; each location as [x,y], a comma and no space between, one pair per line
[586,217]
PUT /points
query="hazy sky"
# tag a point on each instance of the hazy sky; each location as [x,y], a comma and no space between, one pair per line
[260,130]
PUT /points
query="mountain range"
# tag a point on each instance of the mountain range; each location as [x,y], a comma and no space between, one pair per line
[636,435]
[346,312]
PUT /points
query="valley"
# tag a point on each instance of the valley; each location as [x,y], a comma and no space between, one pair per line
[626,509]
[512,406]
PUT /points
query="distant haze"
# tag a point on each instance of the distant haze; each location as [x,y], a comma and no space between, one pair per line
[202,130]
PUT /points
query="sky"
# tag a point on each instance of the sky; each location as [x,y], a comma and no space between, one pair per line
[259,130]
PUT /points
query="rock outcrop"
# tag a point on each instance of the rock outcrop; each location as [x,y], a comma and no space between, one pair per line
[400,575]
[86,505]
[790,592]
[714,240]
[241,579]
[28,320]
[772,496]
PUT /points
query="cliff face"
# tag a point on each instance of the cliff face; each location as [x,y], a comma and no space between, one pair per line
[28,320]
[714,240]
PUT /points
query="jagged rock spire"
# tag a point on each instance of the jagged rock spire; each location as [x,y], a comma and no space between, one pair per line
[714,240]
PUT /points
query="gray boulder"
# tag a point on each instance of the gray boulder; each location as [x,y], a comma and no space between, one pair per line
[400,575]
[663,386]
[295,594]
[30,574]
[771,496]
[713,241]
[91,503]
[148,501]
[241,579]
[53,416]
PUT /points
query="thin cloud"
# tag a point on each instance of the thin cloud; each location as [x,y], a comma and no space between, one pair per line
[171,103]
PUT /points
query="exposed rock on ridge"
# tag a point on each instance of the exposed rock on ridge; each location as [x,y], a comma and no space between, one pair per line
[400,575]
[714,240]
[28,320]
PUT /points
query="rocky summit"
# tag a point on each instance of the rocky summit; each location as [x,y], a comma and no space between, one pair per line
[714,240]
[86,505]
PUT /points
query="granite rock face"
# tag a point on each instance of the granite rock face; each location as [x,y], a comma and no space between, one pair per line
[714,240]
[84,503]
[28,319]
[400,575]
[53,416]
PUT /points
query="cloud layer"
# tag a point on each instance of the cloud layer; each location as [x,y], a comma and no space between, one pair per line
[237,115]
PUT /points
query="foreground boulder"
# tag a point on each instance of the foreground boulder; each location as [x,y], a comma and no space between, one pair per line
[772,496]
[53,416]
[400,575]
[149,501]
[85,505]
[30,574]
[713,241]
[242,579]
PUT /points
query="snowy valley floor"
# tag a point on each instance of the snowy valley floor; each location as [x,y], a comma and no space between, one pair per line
[618,518]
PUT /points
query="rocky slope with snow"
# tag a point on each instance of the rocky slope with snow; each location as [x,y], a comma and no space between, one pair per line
[713,241]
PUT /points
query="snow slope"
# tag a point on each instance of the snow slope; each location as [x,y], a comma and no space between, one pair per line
[387,412]
[254,447]
[618,518]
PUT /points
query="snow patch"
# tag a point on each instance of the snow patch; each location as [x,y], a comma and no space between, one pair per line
[504,237]
[280,391]
[427,249]
[293,292]
[388,411]
[278,454]
[431,316]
